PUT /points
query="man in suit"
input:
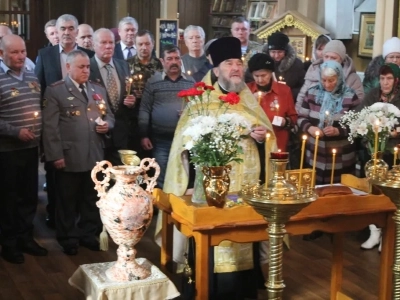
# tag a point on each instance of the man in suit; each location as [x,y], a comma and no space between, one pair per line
[20,126]
[51,68]
[51,32]
[85,36]
[113,73]
[74,128]
[127,29]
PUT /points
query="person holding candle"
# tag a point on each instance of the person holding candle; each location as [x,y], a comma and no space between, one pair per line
[20,127]
[111,73]
[333,95]
[275,98]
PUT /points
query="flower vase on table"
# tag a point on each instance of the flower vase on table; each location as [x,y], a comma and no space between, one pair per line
[212,138]
[216,185]
[198,190]
[376,168]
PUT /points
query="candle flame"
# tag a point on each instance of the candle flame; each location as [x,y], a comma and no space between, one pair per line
[259,94]
[268,135]
[101,106]
[377,122]
[140,76]
[279,150]
[280,78]
[396,149]
[130,80]
[277,106]
[333,151]
[188,72]
[304,137]
[317,133]
[35,114]
[307,59]
[327,113]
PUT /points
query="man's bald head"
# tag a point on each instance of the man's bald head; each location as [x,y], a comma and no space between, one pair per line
[4,30]
[13,52]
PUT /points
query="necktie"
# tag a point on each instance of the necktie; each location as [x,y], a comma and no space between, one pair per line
[129,52]
[82,87]
[112,88]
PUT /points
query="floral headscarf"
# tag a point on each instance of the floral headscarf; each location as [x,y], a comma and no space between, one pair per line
[331,101]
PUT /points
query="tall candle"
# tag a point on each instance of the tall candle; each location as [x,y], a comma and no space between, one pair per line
[376,144]
[259,103]
[303,147]
[189,73]
[129,86]
[267,158]
[395,155]
[277,108]
[35,115]
[333,164]
[315,159]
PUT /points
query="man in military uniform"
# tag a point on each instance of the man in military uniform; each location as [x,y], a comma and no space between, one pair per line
[76,119]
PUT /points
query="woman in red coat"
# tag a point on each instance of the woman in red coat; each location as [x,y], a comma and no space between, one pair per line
[275,98]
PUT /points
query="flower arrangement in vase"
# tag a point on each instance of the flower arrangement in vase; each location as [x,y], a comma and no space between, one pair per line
[213,140]
[374,124]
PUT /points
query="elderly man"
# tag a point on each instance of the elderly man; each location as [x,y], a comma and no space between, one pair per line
[20,127]
[229,264]
[85,36]
[160,108]
[240,28]
[5,30]
[50,68]
[74,127]
[195,60]
[51,32]
[111,73]
[127,29]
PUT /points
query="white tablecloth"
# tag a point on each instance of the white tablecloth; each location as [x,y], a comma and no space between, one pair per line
[91,280]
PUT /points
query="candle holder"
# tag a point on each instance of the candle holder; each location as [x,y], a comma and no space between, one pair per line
[390,186]
[277,201]
[376,168]
[293,176]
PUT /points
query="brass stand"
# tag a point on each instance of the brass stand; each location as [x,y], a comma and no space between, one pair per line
[277,201]
[390,186]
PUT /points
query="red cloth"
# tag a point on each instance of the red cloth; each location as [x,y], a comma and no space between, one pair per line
[282,95]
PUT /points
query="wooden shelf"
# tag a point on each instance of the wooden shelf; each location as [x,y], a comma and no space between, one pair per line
[226,14]
[220,26]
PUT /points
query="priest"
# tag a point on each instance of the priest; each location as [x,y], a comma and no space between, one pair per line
[232,272]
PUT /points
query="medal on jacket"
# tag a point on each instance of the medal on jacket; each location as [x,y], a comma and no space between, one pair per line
[14,92]
[34,86]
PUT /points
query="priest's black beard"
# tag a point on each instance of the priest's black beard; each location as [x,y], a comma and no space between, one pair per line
[265,88]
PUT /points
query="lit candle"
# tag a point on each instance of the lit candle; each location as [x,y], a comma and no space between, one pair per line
[279,155]
[259,103]
[140,76]
[35,115]
[267,158]
[189,73]
[307,59]
[277,108]
[376,144]
[129,85]
[315,159]
[101,106]
[326,118]
[333,164]
[243,58]
[303,147]
[395,155]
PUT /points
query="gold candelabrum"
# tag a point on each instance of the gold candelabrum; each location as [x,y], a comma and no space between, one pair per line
[277,201]
[390,186]
[129,158]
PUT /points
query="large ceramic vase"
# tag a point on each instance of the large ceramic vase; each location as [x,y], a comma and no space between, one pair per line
[216,184]
[126,210]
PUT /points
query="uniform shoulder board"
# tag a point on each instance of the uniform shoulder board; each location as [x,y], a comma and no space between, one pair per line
[57,83]
[95,83]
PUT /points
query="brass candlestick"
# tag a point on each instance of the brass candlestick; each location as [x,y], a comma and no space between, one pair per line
[128,157]
[390,186]
[277,201]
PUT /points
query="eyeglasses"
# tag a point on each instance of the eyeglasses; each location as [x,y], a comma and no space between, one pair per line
[393,57]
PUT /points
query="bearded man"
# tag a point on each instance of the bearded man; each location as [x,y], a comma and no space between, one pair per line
[228,67]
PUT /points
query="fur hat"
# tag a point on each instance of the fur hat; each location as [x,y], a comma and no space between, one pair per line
[225,48]
[261,61]
[278,41]
[337,47]
[390,46]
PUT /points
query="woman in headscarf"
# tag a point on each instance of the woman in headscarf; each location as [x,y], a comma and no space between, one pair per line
[387,91]
[322,108]
[317,49]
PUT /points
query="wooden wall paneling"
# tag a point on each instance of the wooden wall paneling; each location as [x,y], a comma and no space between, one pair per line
[100,13]
[194,12]
[145,12]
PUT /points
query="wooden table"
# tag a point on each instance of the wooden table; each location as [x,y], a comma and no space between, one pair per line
[334,214]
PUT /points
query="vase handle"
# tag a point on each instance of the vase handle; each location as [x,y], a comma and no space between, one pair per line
[100,186]
[145,165]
